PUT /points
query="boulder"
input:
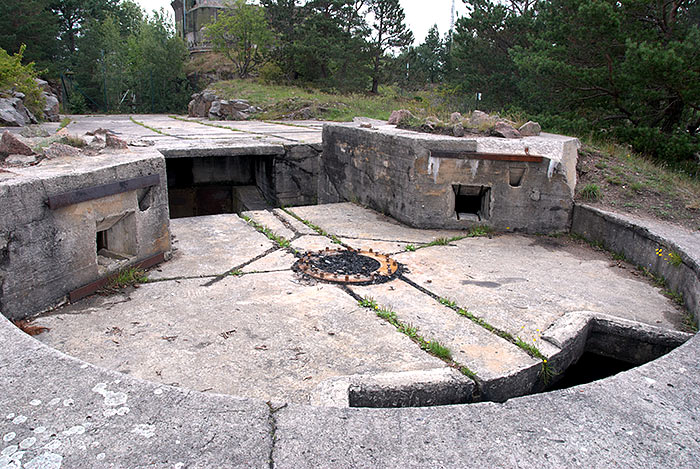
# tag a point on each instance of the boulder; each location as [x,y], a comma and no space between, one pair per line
[20,160]
[34,131]
[44,85]
[400,116]
[51,107]
[458,130]
[11,145]
[201,103]
[530,129]
[505,130]
[112,141]
[455,118]
[479,119]
[13,113]
[58,150]
[231,110]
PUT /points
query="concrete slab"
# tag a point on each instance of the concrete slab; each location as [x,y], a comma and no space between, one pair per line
[313,243]
[260,335]
[275,261]
[80,416]
[348,220]
[502,369]
[293,223]
[523,284]
[210,246]
[269,220]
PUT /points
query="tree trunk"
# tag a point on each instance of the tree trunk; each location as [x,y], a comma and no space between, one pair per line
[375,76]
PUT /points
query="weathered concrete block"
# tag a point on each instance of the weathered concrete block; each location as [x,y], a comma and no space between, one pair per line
[45,253]
[433,181]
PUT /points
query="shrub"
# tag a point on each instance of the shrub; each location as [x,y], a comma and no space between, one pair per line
[22,78]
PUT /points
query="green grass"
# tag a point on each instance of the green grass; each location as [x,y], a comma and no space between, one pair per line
[316,228]
[675,259]
[131,118]
[65,122]
[127,277]
[280,241]
[279,100]
[410,247]
[547,371]
[433,347]
[591,193]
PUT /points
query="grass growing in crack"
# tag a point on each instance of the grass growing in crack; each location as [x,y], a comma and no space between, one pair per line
[674,259]
[127,277]
[236,273]
[131,118]
[467,372]
[208,124]
[369,302]
[280,241]
[436,348]
[64,123]
[316,228]
[433,347]
[547,372]
[474,232]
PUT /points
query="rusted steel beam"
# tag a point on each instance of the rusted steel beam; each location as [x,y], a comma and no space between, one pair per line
[468,155]
[92,287]
[97,192]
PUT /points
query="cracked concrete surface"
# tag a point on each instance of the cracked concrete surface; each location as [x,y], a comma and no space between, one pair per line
[255,328]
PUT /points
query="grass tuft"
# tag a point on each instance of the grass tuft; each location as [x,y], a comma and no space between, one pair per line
[591,193]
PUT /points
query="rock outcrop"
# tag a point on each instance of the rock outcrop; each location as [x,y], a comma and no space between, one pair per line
[51,103]
[208,104]
[13,113]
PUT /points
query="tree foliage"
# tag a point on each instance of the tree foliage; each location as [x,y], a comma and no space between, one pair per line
[242,34]
[29,22]
[389,31]
[15,76]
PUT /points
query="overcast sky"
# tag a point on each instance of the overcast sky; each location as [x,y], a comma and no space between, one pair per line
[420,14]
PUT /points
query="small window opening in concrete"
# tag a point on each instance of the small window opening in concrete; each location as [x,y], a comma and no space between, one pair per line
[102,242]
[516,176]
[115,241]
[472,202]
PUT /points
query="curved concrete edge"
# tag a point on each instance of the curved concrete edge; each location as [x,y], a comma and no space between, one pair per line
[58,411]
[646,417]
[82,416]
[638,240]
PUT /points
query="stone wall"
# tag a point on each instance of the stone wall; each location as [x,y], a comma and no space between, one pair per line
[47,253]
[396,172]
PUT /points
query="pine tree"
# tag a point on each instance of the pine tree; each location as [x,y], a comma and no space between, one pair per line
[390,31]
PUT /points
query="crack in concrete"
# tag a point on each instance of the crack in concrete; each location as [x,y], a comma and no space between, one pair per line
[272,422]
[287,225]
[229,272]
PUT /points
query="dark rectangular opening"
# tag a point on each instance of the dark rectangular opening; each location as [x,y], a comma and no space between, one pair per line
[212,185]
[472,202]
[102,240]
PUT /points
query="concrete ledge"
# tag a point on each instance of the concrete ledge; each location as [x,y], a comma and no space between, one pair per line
[649,244]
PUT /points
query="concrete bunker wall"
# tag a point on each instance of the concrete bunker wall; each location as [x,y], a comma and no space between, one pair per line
[429,181]
[64,227]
